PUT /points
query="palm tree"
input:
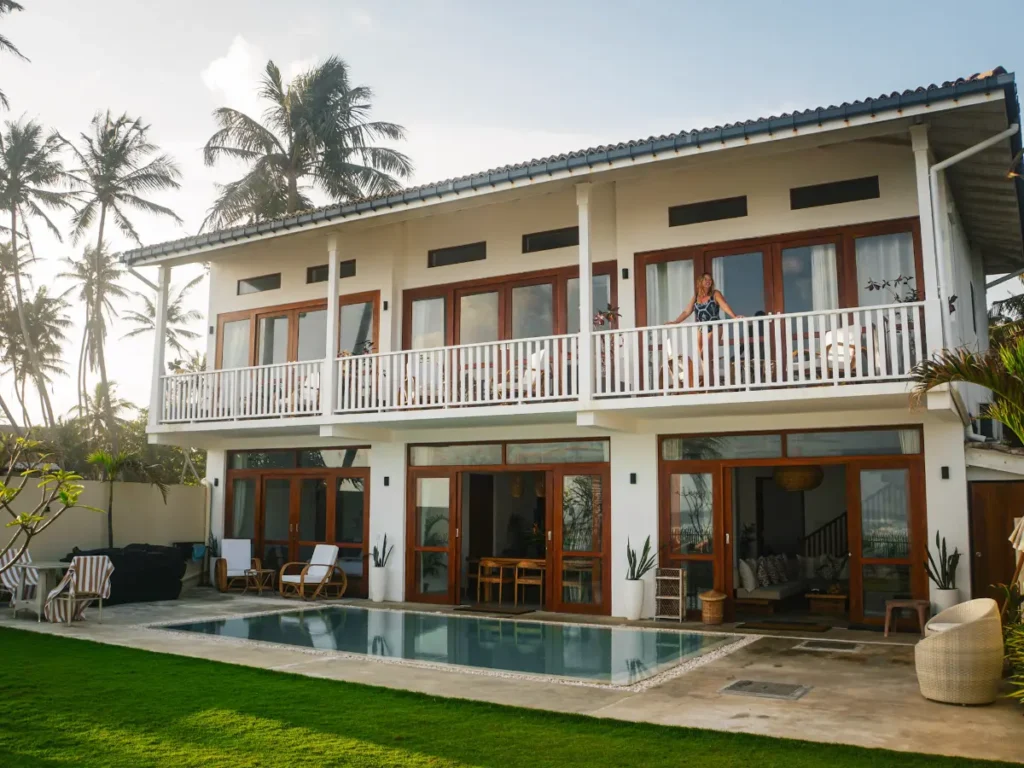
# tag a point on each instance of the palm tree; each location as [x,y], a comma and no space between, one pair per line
[29,166]
[48,322]
[1000,369]
[97,283]
[177,318]
[9,6]
[315,135]
[116,165]
[115,464]
[193,362]
[94,417]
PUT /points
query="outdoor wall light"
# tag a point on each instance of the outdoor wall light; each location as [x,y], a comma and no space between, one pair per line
[387,481]
[625,273]
[632,478]
[385,305]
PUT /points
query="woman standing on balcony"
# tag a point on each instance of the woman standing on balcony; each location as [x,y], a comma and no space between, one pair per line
[709,304]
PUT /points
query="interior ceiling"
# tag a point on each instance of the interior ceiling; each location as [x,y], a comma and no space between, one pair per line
[985,198]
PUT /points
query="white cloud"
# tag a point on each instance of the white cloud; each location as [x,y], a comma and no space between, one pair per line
[233,77]
[361,18]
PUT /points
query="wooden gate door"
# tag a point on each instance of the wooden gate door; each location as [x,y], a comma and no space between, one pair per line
[995,506]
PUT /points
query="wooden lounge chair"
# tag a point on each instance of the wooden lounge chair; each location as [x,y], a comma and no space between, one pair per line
[320,577]
[86,581]
[236,558]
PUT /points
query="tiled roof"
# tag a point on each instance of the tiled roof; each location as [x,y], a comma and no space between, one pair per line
[601,155]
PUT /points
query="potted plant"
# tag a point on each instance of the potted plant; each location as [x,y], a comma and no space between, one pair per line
[638,566]
[944,574]
[378,571]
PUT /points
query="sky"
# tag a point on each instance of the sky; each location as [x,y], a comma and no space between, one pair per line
[476,84]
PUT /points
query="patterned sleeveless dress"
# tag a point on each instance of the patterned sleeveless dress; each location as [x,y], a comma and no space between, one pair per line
[707,311]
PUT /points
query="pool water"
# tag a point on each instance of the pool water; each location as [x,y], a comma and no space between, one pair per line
[613,655]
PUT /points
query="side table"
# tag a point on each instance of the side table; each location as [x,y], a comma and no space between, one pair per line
[921,606]
[258,579]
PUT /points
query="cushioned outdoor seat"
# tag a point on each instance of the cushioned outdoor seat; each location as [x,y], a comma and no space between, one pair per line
[320,577]
[961,659]
[236,558]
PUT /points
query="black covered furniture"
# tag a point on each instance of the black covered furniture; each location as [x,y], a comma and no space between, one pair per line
[142,572]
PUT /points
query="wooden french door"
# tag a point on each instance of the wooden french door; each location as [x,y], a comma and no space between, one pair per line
[886,531]
[432,525]
[578,567]
[297,511]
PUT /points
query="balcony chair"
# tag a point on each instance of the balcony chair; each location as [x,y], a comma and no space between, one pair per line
[235,559]
[320,577]
[86,581]
[11,578]
[535,371]
[960,661]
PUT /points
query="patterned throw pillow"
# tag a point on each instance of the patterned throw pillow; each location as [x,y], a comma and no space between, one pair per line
[781,568]
[771,564]
[763,579]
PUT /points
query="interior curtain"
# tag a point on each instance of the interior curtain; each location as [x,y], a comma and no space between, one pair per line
[669,290]
[427,319]
[824,279]
[910,441]
[244,505]
[880,258]
[718,275]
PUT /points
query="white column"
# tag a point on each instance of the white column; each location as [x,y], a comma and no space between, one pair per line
[946,499]
[925,205]
[387,511]
[156,397]
[327,375]
[585,365]
[634,510]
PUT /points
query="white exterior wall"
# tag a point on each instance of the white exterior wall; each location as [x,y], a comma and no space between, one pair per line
[387,512]
[634,512]
[947,499]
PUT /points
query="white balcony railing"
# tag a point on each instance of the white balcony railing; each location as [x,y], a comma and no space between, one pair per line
[285,389]
[493,373]
[832,347]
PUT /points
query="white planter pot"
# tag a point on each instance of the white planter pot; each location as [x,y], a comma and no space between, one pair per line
[634,599]
[378,583]
[945,598]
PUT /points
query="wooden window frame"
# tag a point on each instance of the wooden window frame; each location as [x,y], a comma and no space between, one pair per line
[503,284]
[843,238]
[292,311]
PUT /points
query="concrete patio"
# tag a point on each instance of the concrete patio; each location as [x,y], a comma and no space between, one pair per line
[869,698]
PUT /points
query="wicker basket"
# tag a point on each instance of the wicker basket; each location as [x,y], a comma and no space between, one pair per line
[712,606]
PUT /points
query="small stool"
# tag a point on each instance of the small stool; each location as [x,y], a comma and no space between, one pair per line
[921,606]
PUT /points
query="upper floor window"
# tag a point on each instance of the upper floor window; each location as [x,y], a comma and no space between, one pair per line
[526,306]
[552,238]
[834,192]
[258,284]
[856,266]
[318,274]
[707,210]
[458,254]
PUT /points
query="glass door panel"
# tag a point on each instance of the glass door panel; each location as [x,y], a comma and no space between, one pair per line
[356,334]
[693,529]
[533,310]
[312,334]
[602,300]
[349,530]
[243,509]
[479,318]
[581,541]
[272,340]
[277,522]
[741,280]
[432,523]
[427,323]
[670,286]
[234,341]
[810,280]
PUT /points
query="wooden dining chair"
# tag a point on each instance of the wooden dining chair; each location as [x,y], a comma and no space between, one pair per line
[489,573]
[529,573]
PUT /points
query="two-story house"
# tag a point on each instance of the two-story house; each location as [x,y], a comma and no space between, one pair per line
[491,366]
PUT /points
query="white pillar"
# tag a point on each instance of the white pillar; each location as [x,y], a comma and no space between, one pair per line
[634,511]
[387,511]
[327,375]
[946,499]
[925,205]
[585,366]
[156,397]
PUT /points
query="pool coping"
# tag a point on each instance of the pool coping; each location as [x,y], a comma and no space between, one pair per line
[700,659]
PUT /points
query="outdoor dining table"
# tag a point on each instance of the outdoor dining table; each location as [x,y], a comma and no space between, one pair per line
[49,572]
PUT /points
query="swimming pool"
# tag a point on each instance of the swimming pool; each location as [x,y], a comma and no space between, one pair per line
[596,654]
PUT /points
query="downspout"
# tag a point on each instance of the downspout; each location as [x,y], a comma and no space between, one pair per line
[933,191]
[204,577]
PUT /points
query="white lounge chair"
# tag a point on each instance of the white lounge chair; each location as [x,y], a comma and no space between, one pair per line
[10,579]
[86,581]
[320,577]
[235,559]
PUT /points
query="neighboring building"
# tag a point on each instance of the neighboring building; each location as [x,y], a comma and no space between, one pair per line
[458,392]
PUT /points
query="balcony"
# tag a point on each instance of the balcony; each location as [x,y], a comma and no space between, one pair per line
[835,348]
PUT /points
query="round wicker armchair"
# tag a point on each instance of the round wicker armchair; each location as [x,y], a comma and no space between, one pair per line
[960,661]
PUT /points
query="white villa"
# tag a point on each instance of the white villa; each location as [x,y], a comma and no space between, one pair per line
[496,371]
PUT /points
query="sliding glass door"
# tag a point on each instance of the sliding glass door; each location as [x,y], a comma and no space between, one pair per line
[432,554]
[579,579]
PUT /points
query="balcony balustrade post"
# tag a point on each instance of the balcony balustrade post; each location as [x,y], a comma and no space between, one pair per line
[330,365]
[156,393]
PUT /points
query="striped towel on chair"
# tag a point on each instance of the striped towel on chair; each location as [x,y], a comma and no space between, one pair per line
[87,580]
[9,579]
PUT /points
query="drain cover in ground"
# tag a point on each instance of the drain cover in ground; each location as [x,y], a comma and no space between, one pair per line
[835,646]
[767,690]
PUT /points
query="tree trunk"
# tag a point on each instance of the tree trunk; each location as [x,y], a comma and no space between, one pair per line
[97,318]
[293,193]
[110,511]
[7,413]
[80,385]
[30,346]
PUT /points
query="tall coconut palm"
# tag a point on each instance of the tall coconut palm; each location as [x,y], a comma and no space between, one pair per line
[97,284]
[315,134]
[1000,369]
[30,166]
[93,416]
[116,164]
[48,324]
[6,46]
[178,318]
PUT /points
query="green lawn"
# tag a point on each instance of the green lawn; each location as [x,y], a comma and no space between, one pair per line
[75,703]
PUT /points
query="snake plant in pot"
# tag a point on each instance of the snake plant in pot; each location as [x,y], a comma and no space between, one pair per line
[943,572]
[379,557]
[638,566]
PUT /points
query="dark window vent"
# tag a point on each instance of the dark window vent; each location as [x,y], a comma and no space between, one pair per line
[258,284]
[552,238]
[834,192]
[457,254]
[318,274]
[709,210]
